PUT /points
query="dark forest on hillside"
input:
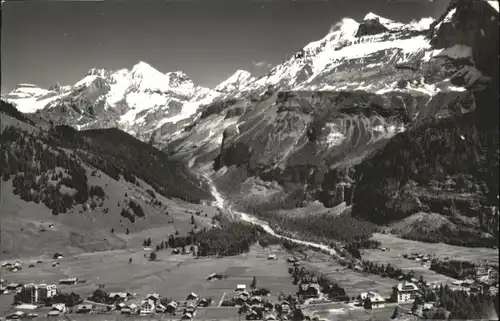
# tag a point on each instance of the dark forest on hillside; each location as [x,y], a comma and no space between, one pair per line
[41,163]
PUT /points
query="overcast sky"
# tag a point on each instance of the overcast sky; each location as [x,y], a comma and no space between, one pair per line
[44,42]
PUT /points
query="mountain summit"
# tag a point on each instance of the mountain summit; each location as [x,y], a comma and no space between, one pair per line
[238,80]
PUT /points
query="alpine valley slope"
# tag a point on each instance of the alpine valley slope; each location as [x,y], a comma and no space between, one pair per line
[400,121]
[80,191]
[395,119]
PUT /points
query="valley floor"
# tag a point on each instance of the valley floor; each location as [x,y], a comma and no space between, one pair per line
[175,276]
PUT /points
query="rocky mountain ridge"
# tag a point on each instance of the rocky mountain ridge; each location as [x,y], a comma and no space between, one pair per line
[384,140]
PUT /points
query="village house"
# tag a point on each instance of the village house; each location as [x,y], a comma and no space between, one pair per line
[120,306]
[192,296]
[422,308]
[16,315]
[285,307]
[214,276]
[203,302]
[119,297]
[147,307]
[126,310]
[377,301]
[309,291]
[256,300]
[241,287]
[160,308]
[261,292]
[190,309]
[155,297]
[103,308]
[240,300]
[268,306]
[172,307]
[14,287]
[405,292]
[245,294]
[61,307]
[130,309]
[192,303]
[84,308]
[71,281]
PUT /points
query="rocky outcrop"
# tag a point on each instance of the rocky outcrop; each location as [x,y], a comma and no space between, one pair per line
[316,138]
[371,27]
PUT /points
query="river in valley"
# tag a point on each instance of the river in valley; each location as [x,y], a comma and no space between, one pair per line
[221,203]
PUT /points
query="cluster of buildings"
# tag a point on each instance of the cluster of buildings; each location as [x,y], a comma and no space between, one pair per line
[12,266]
[153,304]
[34,293]
[257,308]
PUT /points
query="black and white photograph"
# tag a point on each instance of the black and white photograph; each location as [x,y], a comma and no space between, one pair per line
[321,160]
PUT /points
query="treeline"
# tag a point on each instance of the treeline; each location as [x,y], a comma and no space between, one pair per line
[117,153]
[12,111]
[229,238]
[343,228]
[233,239]
[30,162]
[455,269]
[463,306]
[303,276]
[459,237]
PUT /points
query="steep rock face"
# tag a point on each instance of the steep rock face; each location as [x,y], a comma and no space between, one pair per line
[341,61]
[303,134]
[371,27]
[447,166]
[320,138]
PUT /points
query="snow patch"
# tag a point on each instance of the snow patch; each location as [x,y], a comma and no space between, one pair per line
[237,80]
[494,4]
[455,52]
[422,24]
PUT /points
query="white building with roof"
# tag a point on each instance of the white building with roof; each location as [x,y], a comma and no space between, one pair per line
[406,292]
[376,299]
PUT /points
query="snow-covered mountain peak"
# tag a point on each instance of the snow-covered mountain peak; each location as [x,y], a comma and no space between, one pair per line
[143,70]
[345,28]
[28,90]
[373,16]
[100,72]
[239,79]
[384,22]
